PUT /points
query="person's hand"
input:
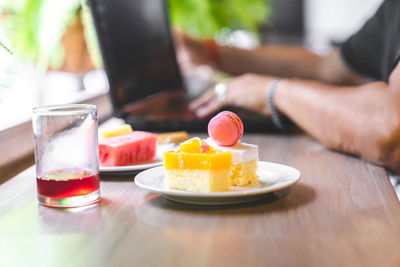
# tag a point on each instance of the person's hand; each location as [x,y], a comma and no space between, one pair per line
[247,91]
[190,51]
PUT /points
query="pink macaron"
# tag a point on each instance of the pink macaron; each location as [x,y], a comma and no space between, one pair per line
[226,128]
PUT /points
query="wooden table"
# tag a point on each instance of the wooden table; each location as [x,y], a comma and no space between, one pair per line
[343,212]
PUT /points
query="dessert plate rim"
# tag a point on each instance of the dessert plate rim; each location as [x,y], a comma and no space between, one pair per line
[272,177]
[135,167]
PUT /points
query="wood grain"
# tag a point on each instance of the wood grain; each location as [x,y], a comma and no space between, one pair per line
[343,212]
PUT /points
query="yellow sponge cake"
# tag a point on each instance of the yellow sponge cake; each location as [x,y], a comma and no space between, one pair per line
[198,167]
[244,161]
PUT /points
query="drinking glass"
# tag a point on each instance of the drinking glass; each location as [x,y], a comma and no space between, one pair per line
[66,155]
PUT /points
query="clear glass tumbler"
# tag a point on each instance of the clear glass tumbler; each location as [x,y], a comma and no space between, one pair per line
[66,155]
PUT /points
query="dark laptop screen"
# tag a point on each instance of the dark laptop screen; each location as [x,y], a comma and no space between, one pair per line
[137,48]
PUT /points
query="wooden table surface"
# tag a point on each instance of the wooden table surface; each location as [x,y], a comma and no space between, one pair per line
[343,212]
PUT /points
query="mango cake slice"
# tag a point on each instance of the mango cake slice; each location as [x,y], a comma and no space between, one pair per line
[197,167]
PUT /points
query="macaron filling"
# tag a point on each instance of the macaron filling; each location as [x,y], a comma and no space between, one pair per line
[238,123]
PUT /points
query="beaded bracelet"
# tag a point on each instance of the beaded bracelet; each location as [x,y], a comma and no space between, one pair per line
[270,97]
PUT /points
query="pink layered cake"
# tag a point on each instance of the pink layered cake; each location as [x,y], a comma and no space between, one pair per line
[127,149]
[225,131]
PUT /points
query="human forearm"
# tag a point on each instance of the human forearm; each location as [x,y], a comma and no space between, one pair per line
[270,60]
[284,61]
[361,120]
[287,61]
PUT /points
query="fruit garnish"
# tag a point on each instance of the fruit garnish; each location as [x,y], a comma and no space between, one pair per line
[204,148]
[191,146]
[120,130]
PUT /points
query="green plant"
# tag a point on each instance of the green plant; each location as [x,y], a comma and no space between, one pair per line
[206,17]
[35,27]
[5,47]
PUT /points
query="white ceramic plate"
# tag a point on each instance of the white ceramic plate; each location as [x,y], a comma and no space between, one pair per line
[161,148]
[129,168]
[272,177]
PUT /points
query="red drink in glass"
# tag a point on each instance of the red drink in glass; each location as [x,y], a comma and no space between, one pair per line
[66,155]
[67,184]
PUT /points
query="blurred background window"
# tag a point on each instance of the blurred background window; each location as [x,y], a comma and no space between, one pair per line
[55,58]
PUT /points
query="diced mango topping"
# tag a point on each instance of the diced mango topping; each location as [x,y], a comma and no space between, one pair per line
[121,130]
[204,148]
[195,145]
[197,154]
[191,146]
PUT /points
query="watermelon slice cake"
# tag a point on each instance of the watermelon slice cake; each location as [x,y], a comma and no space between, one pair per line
[127,149]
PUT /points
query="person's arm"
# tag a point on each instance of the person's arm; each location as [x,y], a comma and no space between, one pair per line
[287,61]
[362,120]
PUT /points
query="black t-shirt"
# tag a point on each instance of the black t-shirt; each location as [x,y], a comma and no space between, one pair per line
[375,49]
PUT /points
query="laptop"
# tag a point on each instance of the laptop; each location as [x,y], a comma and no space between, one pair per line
[146,85]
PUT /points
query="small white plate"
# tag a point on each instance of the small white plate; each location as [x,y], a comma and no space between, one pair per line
[161,148]
[129,168]
[272,177]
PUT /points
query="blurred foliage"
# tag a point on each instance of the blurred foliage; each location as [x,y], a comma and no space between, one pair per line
[206,17]
[6,48]
[35,27]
